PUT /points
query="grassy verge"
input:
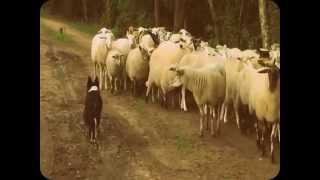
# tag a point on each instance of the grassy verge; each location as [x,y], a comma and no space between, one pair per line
[55,34]
[84,27]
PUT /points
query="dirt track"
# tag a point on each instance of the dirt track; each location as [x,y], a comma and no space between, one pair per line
[138,140]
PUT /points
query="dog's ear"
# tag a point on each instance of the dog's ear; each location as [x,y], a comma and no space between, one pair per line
[89,82]
[96,81]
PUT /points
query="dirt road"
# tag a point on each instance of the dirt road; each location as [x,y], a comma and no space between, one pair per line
[138,140]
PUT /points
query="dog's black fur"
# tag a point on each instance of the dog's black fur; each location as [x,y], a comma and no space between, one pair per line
[93,108]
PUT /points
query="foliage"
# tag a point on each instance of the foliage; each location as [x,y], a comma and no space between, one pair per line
[118,15]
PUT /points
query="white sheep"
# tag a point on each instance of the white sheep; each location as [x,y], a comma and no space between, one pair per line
[264,100]
[123,45]
[137,67]
[114,68]
[166,54]
[207,85]
[101,44]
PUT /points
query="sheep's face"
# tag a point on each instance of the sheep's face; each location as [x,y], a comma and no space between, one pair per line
[117,58]
[109,39]
[178,78]
[104,31]
[196,43]
[131,40]
[273,72]
[145,54]
[186,43]
[184,32]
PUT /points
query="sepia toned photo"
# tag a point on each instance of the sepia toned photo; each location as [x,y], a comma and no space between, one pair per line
[160,89]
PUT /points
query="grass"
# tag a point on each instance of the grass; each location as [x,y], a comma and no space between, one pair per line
[88,28]
[66,38]
[183,143]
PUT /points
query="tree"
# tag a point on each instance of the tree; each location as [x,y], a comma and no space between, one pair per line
[157,12]
[264,23]
[85,11]
[179,14]
[214,20]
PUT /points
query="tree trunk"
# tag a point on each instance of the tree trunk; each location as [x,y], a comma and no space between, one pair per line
[157,13]
[240,22]
[214,20]
[264,23]
[179,14]
[85,11]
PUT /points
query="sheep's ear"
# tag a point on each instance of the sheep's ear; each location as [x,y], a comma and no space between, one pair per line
[140,48]
[151,51]
[173,68]
[264,70]
[180,72]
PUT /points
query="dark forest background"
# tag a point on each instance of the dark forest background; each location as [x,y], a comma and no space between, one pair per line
[236,23]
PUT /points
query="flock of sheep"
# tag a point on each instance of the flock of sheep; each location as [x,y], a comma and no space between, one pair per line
[168,64]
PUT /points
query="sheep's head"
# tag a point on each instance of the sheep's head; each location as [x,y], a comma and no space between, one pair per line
[109,39]
[131,40]
[178,79]
[196,43]
[145,53]
[270,67]
[186,43]
[118,58]
[104,31]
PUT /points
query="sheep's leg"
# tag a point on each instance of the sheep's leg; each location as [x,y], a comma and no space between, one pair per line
[116,84]
[264,128]
[213,113]
[125,81]
[201,109]
[134,87]
[183,101]
[100,76]
[148,92]
[218,118]
[206,115]
[278,128]
[106,79]
[272,138]
[153,94]
[111,84]
[256,125]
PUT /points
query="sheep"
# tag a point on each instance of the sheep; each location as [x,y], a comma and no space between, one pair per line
[101,44]
[195,59]
[233,68]
[137,67]
[265,101]
[93,107]
[175,37]
[114,68]
[160,32]
[123,46]
[207,85]
[274,54]
[166,54]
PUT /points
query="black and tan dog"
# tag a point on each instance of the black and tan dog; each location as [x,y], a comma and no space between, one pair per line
[93,108]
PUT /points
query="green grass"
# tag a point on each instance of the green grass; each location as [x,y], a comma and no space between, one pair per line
[84,27]
[65,37]
[88,28]
[183,143]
